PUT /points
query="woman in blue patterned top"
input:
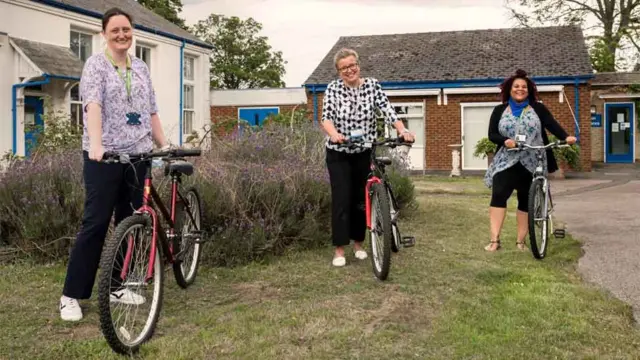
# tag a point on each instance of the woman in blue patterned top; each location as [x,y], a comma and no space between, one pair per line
[349,108]
[519,114]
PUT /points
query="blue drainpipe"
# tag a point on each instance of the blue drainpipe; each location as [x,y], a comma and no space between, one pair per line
[181,91]
[14,109]
[315,105]
[577,105]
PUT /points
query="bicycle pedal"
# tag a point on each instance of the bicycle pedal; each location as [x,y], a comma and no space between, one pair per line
[408,241]
[559,233]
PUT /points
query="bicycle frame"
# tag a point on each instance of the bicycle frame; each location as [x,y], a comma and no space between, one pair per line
[150,201]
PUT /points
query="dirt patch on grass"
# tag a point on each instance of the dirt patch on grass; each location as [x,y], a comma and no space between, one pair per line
[256,292]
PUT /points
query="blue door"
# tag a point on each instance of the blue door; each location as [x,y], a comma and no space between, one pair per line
[33,122]
[619,132]
[256,116]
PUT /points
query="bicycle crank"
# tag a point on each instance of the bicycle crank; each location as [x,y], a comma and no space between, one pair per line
[408,241]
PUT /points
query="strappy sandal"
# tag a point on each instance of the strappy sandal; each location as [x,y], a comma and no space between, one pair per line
[488,247]
[522,246]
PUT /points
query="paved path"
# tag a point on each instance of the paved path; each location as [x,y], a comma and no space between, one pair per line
[605,215]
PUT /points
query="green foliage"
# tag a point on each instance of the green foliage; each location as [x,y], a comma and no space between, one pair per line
[602,58]
[241,58]
[484,147]
[168,9]
[569,155]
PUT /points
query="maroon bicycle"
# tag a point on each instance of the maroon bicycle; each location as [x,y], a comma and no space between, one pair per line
[134,258]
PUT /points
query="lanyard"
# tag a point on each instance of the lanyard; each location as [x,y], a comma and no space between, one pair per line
[127,80]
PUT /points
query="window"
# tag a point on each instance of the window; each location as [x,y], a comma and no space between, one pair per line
[412,115]
[188,96]
[80,44]
[144,54]
[188,109]
[76,106]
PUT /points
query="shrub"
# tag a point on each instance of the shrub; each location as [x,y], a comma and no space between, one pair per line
[263,192]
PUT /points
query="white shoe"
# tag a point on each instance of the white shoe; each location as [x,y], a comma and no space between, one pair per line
[361,254]
[127,296]
[70,309]
[339,261]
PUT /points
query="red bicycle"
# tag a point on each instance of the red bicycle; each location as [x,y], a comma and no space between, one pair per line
[382,222]
[133,260]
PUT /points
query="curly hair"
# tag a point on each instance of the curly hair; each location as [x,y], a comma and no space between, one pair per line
[505,87]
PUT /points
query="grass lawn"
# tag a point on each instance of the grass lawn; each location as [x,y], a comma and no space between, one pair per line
[446,298]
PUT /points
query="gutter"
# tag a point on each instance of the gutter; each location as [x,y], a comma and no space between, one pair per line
[97,15]
[181,93]
[14,110]
[315,105]
[576,95]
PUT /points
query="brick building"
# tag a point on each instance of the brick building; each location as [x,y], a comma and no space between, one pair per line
[254,105]
[445,84]
[614,118]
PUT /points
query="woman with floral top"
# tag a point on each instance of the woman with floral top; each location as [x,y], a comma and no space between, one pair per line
[520,114]
[120,115]
[348,109]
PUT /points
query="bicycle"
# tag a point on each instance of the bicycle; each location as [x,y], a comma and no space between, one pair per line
[540,202]
[167,243]
[379,196]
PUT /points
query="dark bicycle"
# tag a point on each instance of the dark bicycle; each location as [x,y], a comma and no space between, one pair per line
[133,260]
[382,222]
[540,202]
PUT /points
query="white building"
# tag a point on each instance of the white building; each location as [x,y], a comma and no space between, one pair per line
[43,44]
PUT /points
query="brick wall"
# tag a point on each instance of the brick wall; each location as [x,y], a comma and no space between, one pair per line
[443,123]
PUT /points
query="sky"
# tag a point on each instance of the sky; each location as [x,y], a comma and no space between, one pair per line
[305,30]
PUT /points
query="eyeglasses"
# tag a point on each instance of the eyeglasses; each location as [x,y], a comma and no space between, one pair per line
[348,67]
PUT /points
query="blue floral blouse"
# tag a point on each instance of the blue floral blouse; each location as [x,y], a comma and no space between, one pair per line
[527,124]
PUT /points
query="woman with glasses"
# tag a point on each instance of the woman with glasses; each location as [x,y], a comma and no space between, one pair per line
[349,110]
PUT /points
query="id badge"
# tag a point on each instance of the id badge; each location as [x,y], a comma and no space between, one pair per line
[133,119]
[521,138]
[356,134]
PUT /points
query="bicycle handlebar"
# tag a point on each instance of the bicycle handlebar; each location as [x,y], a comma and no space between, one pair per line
[523,146]
[112,157]
[368,144]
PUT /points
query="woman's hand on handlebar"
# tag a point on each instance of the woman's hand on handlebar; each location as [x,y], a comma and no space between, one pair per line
[510,143]
[338,138]
[571,140]
[407,137]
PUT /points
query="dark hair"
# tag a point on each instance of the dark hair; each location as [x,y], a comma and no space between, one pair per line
[507,84]
[111,13]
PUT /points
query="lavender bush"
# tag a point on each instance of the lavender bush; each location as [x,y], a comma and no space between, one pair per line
[263,191]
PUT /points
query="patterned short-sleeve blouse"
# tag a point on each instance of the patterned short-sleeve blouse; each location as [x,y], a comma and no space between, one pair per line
[101,84]
[352,109]
[527,124]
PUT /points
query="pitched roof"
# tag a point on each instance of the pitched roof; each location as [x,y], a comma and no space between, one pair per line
[616,78]
[143,18]
[464,55]
[51,59]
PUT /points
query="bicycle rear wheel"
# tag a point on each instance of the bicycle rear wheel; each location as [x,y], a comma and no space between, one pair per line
[130,307]
[395,230]
[186,266]
[380,235]
[538,220]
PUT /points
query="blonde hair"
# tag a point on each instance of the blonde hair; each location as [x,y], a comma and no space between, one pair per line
[343,53]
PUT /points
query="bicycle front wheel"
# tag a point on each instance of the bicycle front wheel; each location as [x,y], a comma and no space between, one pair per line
[380,234]
[538,220]
[129,300]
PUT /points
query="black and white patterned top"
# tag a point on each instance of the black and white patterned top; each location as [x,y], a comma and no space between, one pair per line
[352,109]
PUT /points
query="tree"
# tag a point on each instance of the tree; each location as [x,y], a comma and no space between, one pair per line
[612,25]
[240,58]
[168,9]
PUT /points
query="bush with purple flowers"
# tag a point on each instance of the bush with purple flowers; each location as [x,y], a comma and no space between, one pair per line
[263,191]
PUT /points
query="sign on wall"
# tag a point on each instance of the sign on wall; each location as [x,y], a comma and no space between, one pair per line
[596,120]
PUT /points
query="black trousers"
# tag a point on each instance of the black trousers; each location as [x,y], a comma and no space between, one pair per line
[348,176]
[108,187]
[518,178]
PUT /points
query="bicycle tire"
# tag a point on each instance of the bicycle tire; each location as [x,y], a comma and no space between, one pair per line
[536,190]
[395,230]
[109,253]
[182,280]
[379,193]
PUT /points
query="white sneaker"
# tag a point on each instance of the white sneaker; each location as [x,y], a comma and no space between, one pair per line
[339,261]
[127,296]
[70,309]
[361,254]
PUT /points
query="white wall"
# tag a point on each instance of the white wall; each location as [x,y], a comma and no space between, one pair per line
[259,97]
[36,22]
